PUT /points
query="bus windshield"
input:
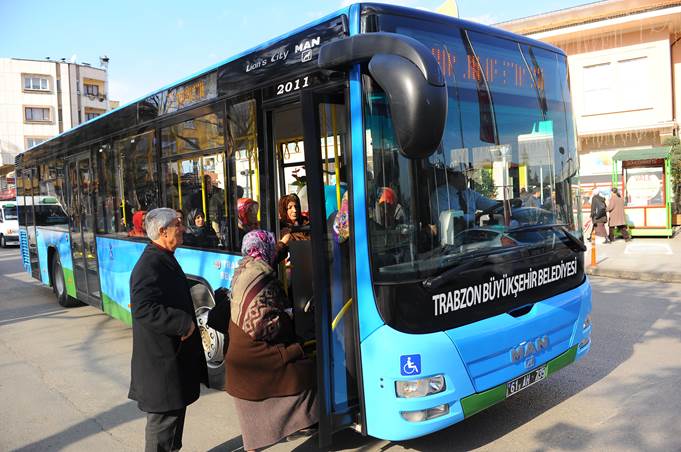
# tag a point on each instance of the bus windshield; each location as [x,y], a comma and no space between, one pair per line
[507,160]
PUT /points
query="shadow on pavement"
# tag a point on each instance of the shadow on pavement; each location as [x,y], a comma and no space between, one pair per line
[106,420]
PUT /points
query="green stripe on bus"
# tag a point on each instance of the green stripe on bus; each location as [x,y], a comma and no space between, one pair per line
[475,403]
[115,310]
[69,282]
[561,361]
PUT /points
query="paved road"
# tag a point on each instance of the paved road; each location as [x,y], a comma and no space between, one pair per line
[64,376]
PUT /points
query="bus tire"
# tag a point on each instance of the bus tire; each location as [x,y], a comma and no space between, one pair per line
[213,341]
[59,285]
[3,241]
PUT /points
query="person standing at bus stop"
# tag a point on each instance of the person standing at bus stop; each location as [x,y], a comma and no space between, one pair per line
[616,217]
[168,361]
[599,215]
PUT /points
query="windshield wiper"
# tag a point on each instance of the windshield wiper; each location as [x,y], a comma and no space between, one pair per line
[552,226]
[472,260]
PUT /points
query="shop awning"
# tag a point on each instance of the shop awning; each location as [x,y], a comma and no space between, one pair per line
[643,154]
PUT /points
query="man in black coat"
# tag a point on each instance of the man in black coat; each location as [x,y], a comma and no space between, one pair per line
[168,361]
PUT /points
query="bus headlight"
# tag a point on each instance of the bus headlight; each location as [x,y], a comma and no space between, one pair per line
[424,415]
[421,387]
[587,322]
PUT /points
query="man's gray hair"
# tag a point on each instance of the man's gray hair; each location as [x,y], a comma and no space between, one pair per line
[157,219]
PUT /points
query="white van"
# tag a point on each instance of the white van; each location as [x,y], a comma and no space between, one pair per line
[9,225]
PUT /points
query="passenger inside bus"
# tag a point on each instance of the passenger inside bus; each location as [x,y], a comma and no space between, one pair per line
[198,232]
[291,218]
[388,210]
[247,216]
[454,195]
[138,229]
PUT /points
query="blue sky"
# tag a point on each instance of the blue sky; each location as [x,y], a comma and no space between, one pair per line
[152,43]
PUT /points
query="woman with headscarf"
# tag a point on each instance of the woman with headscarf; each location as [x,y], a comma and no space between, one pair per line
[198,232]
[247,213]
[268,375]
[138,229]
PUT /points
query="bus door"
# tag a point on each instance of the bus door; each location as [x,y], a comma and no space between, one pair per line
[82,226]
[308,138]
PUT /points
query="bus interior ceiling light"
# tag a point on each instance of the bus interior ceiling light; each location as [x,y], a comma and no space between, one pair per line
[421,387]
[411,78]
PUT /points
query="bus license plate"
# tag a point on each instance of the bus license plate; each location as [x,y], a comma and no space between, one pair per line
[525,381]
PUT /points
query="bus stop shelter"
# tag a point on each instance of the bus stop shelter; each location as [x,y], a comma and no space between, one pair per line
[645,176]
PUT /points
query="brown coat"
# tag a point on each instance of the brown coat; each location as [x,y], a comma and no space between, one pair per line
[263,359]
[616,211]
[258,370]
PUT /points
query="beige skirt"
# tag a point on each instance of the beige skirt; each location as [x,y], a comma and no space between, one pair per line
[266,422]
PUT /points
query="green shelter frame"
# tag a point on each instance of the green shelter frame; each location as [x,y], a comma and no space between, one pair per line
[645,220]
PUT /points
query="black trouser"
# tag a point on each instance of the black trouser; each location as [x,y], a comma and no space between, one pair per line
[623,230]
[164,431]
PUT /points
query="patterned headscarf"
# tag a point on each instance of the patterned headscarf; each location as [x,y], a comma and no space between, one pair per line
[243,206]
[341,225]
[259,244]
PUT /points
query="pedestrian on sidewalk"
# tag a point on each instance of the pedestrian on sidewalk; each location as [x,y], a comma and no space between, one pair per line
[616,216]
[168,362]
[599,215]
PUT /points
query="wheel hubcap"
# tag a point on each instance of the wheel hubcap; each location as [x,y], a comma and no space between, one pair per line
[213,341]
[59,280]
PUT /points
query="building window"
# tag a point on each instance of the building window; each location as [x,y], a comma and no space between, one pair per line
[36,83]
[33,141]
[91,90]
[89,116]
[37,114]
[598,89]
[633,81]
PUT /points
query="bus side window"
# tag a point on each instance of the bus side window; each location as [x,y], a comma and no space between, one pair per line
[196,184]
[136,178]
[244,161]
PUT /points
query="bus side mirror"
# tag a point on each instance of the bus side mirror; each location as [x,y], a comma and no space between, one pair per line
[411,78]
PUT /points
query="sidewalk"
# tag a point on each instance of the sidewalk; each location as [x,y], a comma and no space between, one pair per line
[643,258]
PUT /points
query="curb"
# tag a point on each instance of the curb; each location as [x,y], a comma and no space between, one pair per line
[665,277]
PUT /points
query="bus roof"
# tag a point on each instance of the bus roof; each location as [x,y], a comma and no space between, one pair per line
[352,9]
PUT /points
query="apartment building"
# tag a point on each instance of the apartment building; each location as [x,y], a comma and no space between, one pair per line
[624,60]
[42,98]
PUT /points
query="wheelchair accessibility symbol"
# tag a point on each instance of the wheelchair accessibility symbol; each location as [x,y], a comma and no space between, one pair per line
[410,364]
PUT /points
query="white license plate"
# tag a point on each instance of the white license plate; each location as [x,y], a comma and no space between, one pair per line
[525,381]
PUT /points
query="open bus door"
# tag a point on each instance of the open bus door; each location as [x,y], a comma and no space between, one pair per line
[307,136]
[324,118]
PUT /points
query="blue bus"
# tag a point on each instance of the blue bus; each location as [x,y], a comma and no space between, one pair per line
[436,160]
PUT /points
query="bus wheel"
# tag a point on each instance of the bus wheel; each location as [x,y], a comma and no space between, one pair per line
[59,286]
[3,241]
[213,341]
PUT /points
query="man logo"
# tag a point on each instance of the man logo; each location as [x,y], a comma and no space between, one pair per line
[529,348]
[308,44]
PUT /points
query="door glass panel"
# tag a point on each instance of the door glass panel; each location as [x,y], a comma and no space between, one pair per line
[88,226]
[333,132]
[76,216]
